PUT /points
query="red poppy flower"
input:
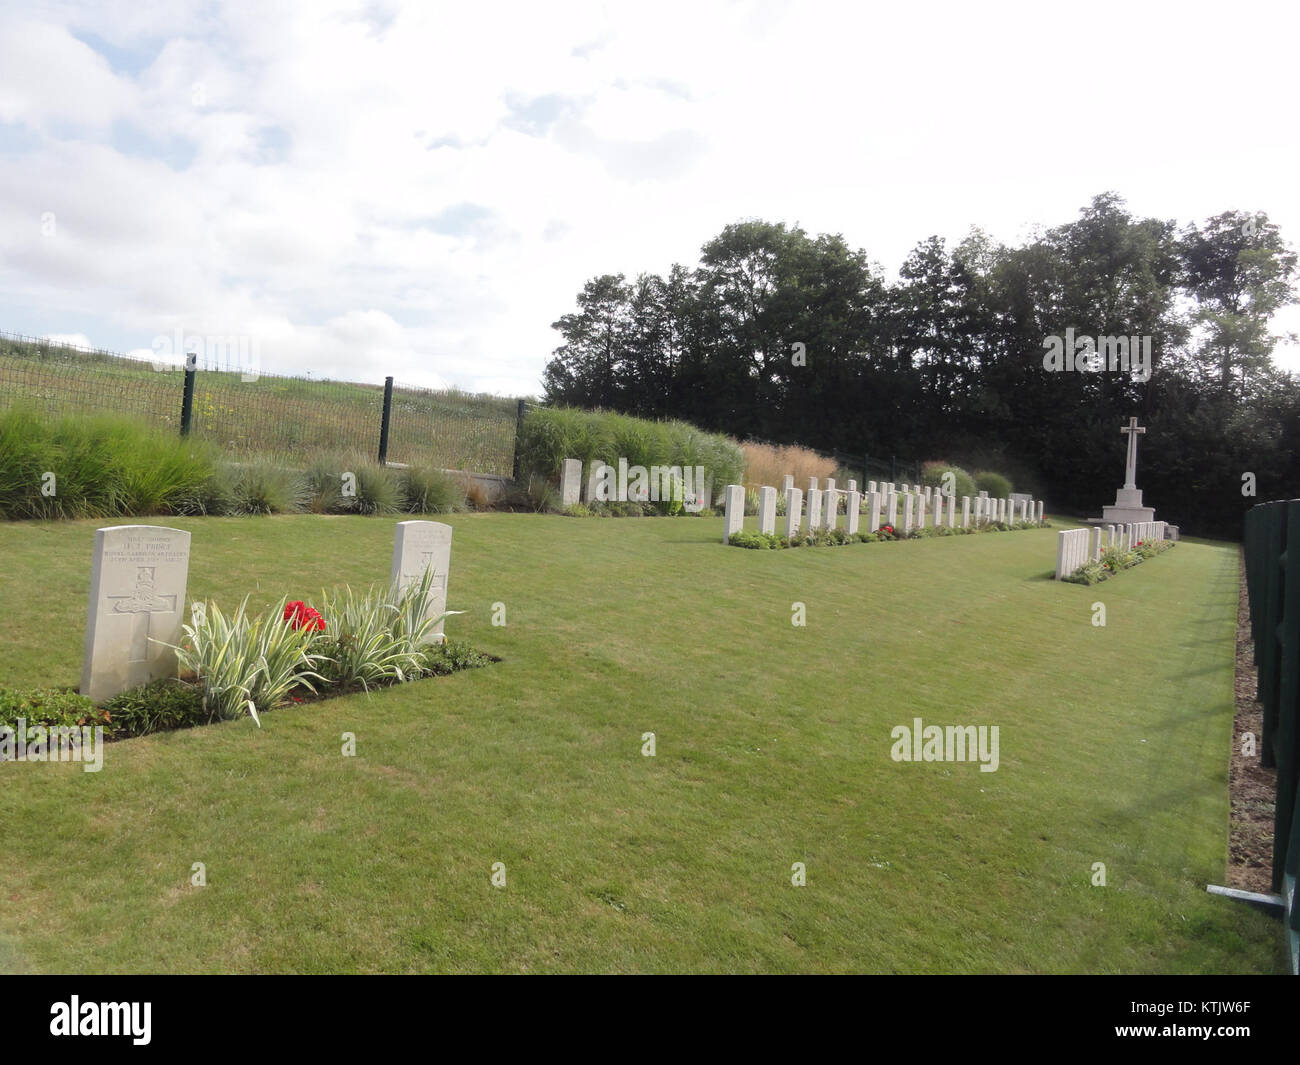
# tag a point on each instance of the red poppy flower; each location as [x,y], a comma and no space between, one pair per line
[300,615]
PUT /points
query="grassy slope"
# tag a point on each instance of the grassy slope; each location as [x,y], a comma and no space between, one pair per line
[773,747]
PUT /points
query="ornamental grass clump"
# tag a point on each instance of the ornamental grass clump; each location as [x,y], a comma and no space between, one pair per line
[379,637]
[246,664]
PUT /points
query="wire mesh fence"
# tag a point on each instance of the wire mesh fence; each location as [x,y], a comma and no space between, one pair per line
[248,411]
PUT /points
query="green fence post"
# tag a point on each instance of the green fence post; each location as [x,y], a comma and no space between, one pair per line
[385,421]
[187,396]
[519,432]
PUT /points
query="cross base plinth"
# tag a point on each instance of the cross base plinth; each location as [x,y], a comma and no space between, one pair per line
[1120,515]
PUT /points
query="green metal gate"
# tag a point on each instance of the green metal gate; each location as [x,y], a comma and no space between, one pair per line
[1273,589]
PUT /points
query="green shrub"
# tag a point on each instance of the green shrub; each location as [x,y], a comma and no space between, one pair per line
[47,706]
[443,658]
[377,637]
[377,490]
[997,486]
[102,466]
[244,663]
[322,485]
[534,494]
[430,491]
[549,435]
[755,541]
[161,704]
[263,486]
[932,474]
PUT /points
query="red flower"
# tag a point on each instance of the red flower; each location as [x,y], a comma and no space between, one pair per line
[300,615]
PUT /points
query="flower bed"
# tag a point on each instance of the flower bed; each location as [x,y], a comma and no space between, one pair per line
[1113,560]
[249,664]
[838,537]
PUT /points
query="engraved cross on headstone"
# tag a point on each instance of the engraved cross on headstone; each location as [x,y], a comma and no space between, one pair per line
[1133,430]
[426,560]
[143,603]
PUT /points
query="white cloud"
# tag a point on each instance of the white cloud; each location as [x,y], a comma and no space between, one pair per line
[422,189]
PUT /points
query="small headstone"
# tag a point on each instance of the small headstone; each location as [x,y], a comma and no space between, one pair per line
[871,487]
[137,606]
[852,513]
[920,511]
[853,485]
[814,509]
[418,546]
[571,482]
[873,511]
[733,516]
[592,482]
[812,484]
[793,511]
[965,512]
[1094,548]
[891,511]
[832,507]
[907,512]
[789,482]
[767,510]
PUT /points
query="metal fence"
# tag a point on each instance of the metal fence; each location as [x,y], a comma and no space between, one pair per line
[1273,588]
[879,467]
[246,410]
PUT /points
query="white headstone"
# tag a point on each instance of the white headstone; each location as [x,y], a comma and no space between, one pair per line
[571,482]
[920,511]
[789,482]
[793,511]
[814,509]
[852,513]
[733,516]
[873,511]
[853,485]
[137,604]
[832,507]
[812,484]
[965,512]
[907,512]
[891,511]
[418,546]
[767,510]
[592,482]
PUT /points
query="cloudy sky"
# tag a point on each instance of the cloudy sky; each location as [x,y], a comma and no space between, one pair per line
[420,189]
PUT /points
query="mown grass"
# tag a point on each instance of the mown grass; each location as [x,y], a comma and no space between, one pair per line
[773,747]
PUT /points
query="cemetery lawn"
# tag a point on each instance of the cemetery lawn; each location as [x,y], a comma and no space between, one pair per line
[773,747]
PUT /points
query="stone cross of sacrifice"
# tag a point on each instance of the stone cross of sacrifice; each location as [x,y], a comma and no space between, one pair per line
[1133,430]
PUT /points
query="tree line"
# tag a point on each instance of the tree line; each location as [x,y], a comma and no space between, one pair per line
[784,337]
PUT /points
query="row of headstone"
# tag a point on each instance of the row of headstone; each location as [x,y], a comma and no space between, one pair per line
[138,577]
[1076,547]
[921,509]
